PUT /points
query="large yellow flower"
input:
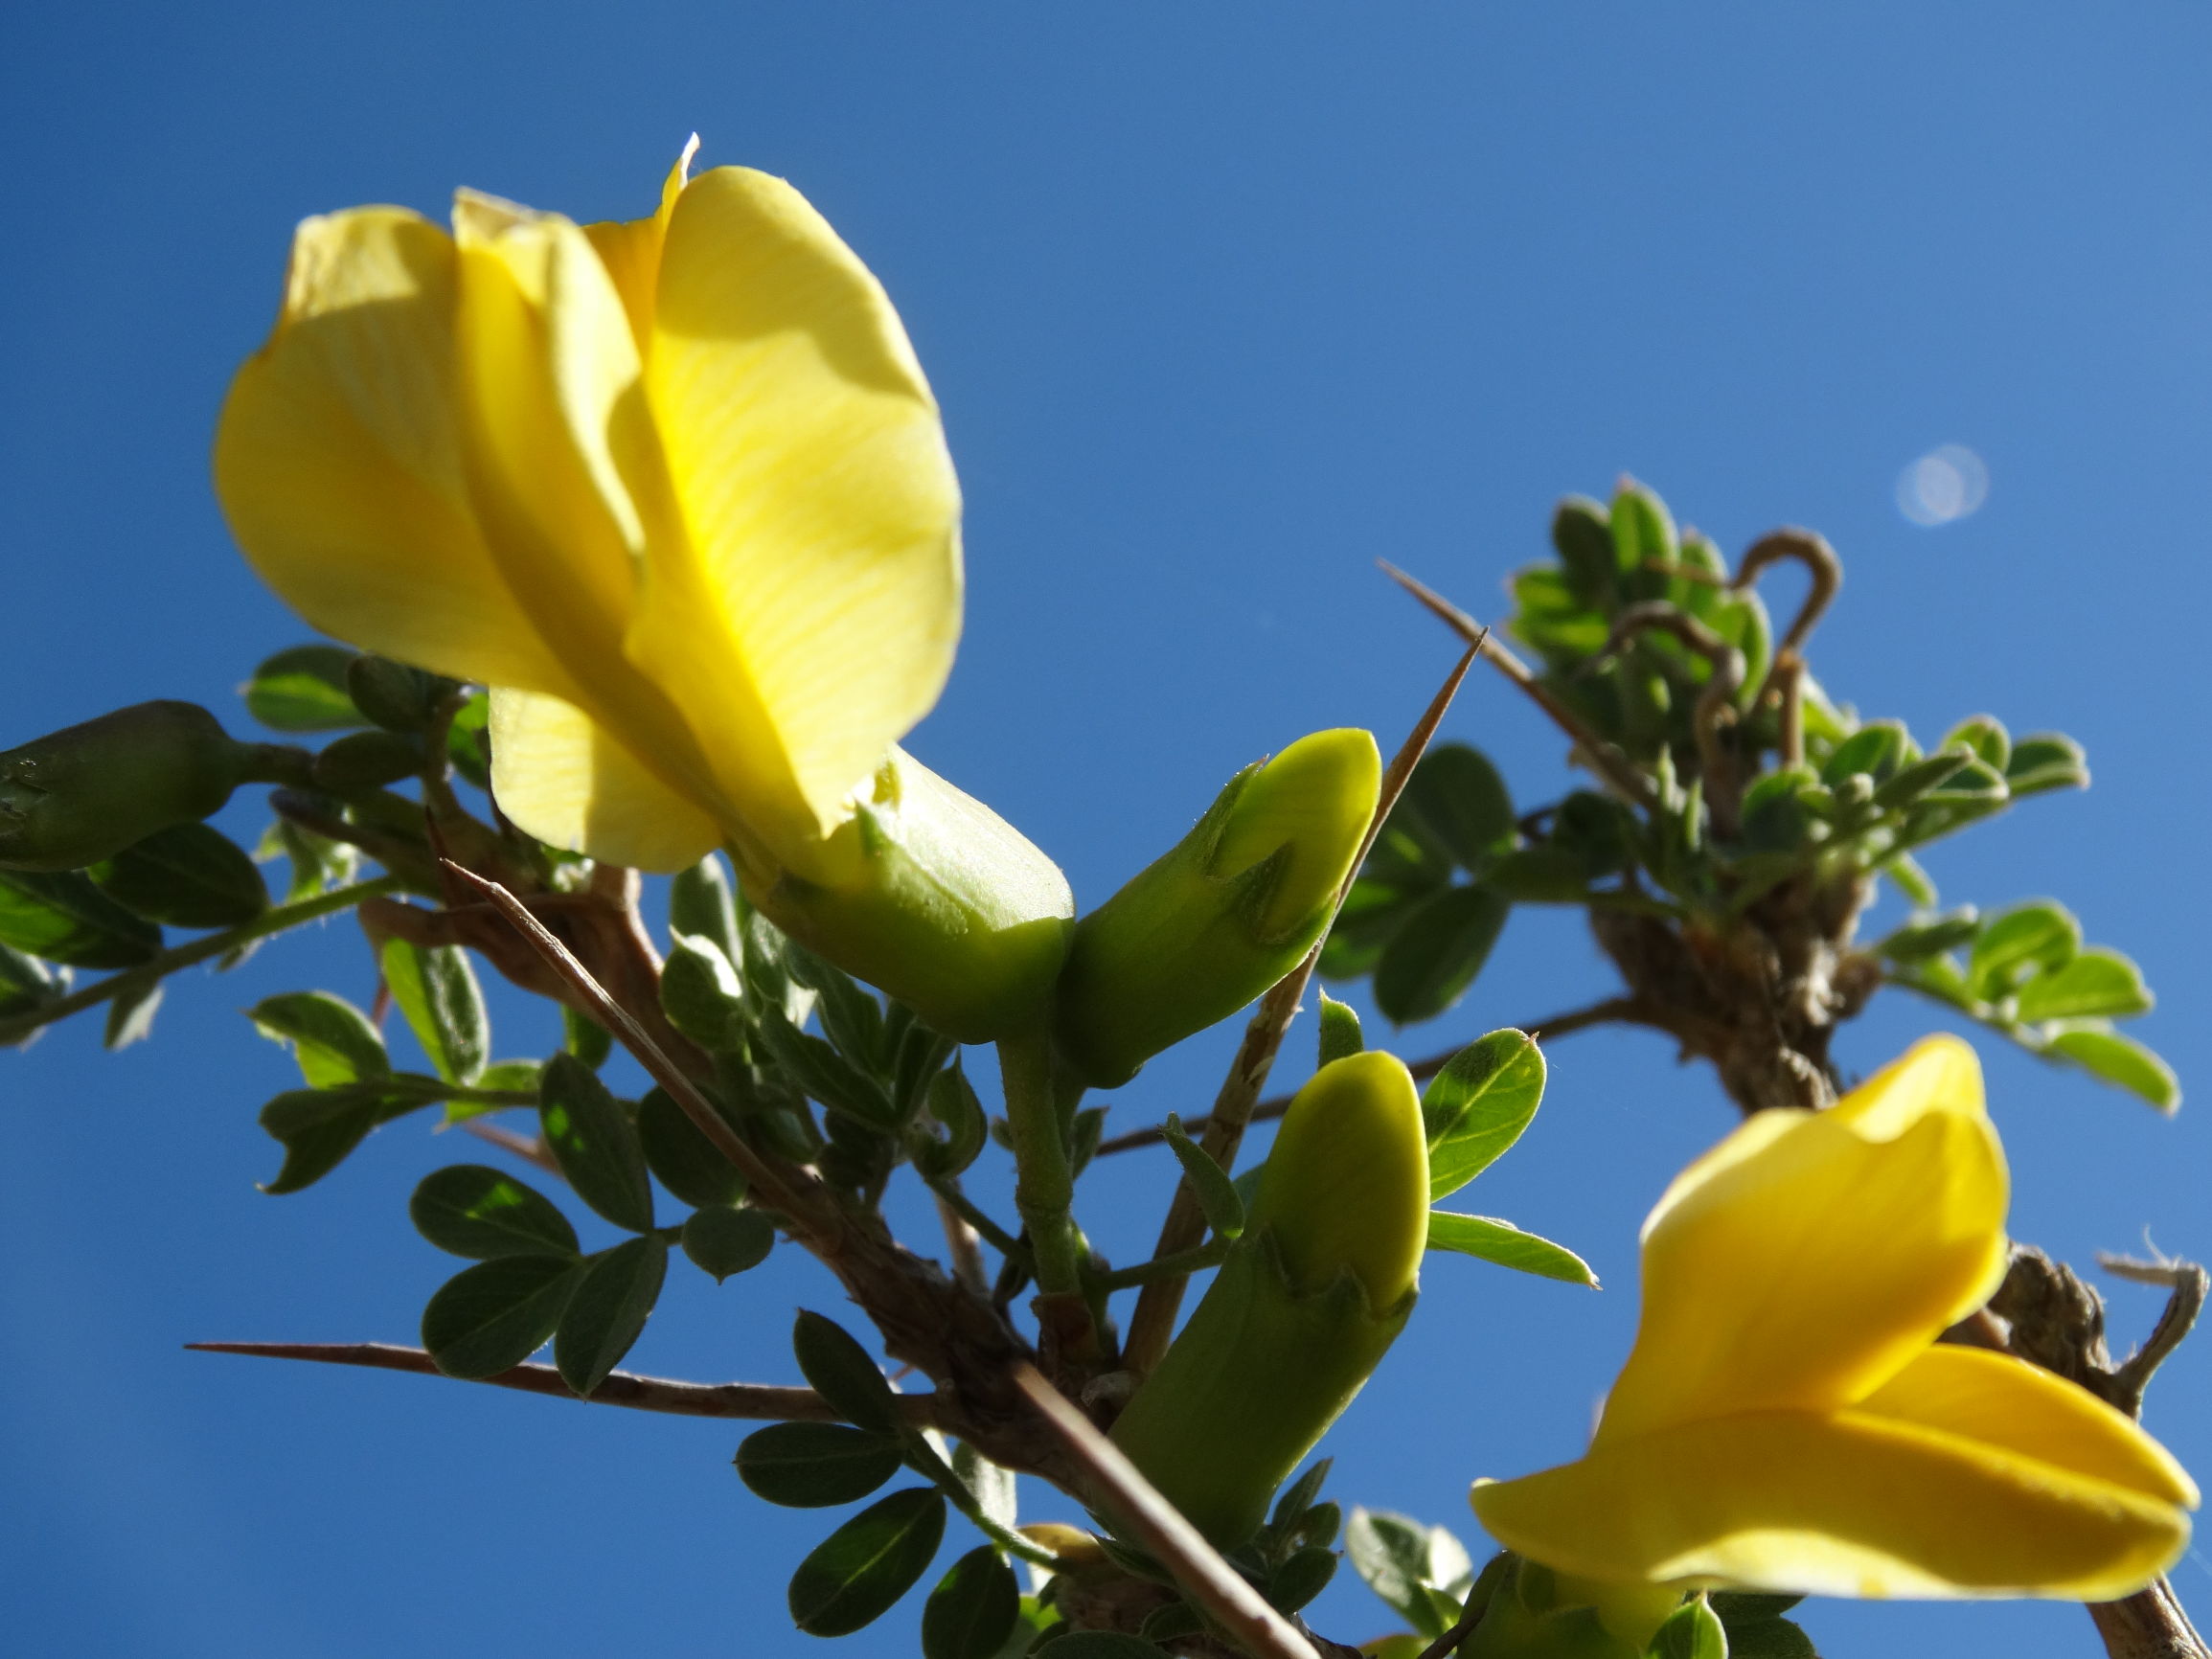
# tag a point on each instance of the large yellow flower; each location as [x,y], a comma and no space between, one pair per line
[677,490]
[1787,1420]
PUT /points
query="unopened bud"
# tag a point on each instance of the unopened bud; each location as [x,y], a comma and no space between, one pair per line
[83,794]
[1308,1302]
[1229,911]
[935,901]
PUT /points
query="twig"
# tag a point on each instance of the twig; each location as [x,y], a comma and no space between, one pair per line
[1810,549]
[1605,758]
[2186,1282]
[962,1244]
[749,1401]
[1153,1321]
[277,919]
[766,1179]
[1153,1522]
[1621,1009]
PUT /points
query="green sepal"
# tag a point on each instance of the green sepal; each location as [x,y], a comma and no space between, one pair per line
[938,902]
[1250,1385]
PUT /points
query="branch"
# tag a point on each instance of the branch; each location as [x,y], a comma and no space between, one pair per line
[751,1401]
[1153,1522]
[276,920]
[1621,1008]
[1155,1320]
[1605,758]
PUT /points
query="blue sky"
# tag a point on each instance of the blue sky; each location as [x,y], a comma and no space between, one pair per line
[1223,303]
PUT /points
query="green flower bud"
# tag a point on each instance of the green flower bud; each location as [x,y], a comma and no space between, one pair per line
[1230,910]
[83,794]
[937,902]
[1309,1299]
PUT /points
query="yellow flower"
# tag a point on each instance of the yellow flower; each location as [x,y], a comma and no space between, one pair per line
[1787,1420]
[677,490]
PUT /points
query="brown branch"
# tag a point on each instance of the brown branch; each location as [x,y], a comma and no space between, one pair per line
[2186,1283]
[1620,1009]
[751,1401]
[1810,549]
[1156,1524]
[530,1148]
[1153,1321]
[1603,758]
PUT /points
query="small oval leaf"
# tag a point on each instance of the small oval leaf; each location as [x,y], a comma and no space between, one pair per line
[722,1242]
[973,1608]
[593,1140]
[809,1466]
[492,1317]
[475,1211]
[608,1312]
[857,1572]
[843,1372]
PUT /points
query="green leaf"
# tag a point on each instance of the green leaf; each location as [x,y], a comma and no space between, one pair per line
[1585,540]
[703,995]
[952,1102]
[607,1313]
[811,1465]
[2097,984]
[1507,1246]
[303,689]
[468,740]
[481,1213]
[318,1127]
[1643,535]
[854,1574]
[1939,771]
[2038,934]
[722,1241]
[1541,874]
[1436,953]
[824,1073]
[1456,796]
[1172,1621]
[702,902]
[593,1140]
[973,1609]
[1478,1105]
[1210,1183]
[852,1020]
[492,1317]
[25,983]
[395,697]
[990,1484]
[62,917]
[317,864]
[585,1039]
[689,1164]
[436,990]
[333,1041]
[842,1372]
[2046,760]
[130,1011]
[1876,749]
[1911,880]
[1371,916]
[1755,1607]
[1299,1495]
[1691,1632]
[2121,1061]
[1917,941]
[1401,1561]
[187,876]
[1301,1577]
[1983,737]
[367,761]
[1339,1030]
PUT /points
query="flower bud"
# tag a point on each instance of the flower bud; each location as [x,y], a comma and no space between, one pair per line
[1309,1299]
[936,901]
[1229,911]
[86,792]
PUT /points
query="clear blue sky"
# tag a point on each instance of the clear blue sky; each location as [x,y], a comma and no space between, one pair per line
[1222,303]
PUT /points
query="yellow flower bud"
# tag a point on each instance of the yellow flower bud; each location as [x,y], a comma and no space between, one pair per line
[1227,912]
[1309,1299]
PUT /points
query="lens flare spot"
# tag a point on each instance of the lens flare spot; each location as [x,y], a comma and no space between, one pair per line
[1944,486]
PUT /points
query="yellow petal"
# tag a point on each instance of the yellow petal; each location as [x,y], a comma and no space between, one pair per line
[566,781]
[564,466]
[1811,1255]
[808,618]
[2026,1412]
[1837,1504]
[338,457]
[630,249]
